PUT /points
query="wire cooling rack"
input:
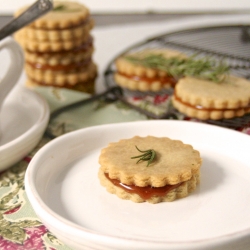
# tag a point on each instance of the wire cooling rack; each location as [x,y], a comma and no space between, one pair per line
[228,43]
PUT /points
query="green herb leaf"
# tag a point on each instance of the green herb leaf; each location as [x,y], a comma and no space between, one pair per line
[204,68]
[148,155]
[64,8]
[60,7]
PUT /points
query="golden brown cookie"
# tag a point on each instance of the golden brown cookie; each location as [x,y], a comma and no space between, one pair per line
[58,48]
[204,99]
[134,76]
[48,46]
[76,55]
[58,58]
[173,173]
[65,14]
[61,77]
[87,86]
[68,34]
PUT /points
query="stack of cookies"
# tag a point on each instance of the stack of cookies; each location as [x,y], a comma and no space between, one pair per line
[58,48]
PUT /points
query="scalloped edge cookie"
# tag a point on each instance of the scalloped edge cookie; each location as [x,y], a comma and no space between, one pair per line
[143,85]
[137,77]
[205,99]
[72,14]
[87,86]
[176,193]
[48,46]
[175,164]
[61,78]
[57,35]
[53,59]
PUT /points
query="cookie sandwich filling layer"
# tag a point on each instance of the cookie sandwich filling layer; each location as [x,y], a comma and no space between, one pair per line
[205,99]
[144,192]
[200,107]
[163,170]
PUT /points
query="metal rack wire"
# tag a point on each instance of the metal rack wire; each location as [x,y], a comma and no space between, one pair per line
[228,43]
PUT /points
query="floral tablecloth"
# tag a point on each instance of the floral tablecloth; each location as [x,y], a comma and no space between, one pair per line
[20,228]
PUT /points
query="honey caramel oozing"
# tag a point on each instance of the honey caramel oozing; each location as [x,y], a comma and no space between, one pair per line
[144,192]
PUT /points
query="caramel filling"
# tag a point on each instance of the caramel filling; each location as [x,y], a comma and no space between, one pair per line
[163,80]
[199,107]
[144,192]
[60,67]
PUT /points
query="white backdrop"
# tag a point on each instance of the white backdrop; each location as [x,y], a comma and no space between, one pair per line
[144,6]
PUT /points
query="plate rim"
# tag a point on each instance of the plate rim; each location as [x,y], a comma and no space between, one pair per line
[89,234]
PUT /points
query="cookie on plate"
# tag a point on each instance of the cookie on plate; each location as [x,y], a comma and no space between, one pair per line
[205,99]
[169,170]
[137,76]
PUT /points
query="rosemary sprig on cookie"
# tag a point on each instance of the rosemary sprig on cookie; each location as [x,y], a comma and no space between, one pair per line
[204,68]
[148,155]
[63,8]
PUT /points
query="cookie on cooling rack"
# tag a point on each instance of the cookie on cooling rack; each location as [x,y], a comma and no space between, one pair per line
[171,170]
[133,72]
[205,99]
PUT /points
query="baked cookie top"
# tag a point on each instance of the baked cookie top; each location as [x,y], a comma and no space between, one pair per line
[128,67]
[233,92]
[175,161]
[48,46]
[65,14]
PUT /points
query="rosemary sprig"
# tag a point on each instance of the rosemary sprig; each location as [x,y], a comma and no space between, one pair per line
[64,8]
[60,7]
[204,68]
[148,155]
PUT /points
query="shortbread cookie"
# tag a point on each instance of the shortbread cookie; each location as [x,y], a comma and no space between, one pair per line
[76,55]
[173,173]
[48,46]
[205,100]
[65,14]
[58,48]
[87,86]
[61,77]
[134,76]
[57,35]
[74,66]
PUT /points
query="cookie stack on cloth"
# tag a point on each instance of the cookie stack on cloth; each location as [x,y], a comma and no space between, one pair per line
[58,48]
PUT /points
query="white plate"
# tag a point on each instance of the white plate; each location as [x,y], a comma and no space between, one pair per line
[63,188]
[24,117]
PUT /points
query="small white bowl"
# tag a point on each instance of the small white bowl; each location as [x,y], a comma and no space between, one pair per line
[24,117]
